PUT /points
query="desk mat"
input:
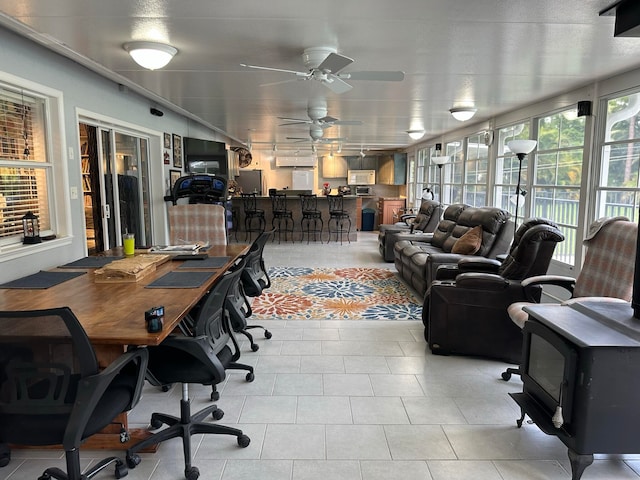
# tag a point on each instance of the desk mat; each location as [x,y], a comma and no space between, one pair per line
[211,262]
[90,262]
[181,280]
[42,279]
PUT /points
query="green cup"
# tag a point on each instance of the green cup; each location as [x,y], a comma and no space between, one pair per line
[129,243]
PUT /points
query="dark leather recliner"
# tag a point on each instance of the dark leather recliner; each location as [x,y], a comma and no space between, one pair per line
[425,221]
[468,315]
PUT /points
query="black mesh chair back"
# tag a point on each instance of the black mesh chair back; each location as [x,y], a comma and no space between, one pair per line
[199,188]
[52,391]
[255,277]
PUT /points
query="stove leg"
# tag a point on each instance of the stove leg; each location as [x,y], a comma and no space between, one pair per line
[579,463]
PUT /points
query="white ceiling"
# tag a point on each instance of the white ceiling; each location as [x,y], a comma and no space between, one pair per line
[494,54]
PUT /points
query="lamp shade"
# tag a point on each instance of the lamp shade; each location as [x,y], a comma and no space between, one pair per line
[416,134]
[150,55]
[463,114]
[521,146]
[440,160]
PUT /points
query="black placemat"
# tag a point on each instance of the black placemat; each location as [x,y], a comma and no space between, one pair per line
[91,262]
[211,262]
[42,280]
[181,280]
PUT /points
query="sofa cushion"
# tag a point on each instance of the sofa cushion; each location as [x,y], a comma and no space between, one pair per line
[447,224]
[469,243]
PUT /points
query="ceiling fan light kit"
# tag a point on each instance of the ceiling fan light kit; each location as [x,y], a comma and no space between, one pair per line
[150,55]
[462,114]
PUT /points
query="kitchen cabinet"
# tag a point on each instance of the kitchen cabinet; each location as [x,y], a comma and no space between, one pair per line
[389,209]
[369,162]
[334,167]
[392,169]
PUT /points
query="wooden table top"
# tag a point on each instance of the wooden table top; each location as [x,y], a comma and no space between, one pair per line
[113,313]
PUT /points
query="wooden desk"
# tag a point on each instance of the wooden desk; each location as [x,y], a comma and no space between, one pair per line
[112,314]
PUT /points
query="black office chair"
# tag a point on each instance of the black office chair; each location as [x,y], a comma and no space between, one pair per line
[338,218]
[252,214]
[311,216]
[201,358]
[239,309]
[255,277]
[52,391]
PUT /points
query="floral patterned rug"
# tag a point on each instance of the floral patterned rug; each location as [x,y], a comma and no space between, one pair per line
[299,293]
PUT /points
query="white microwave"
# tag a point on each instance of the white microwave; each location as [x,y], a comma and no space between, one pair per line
[361,177]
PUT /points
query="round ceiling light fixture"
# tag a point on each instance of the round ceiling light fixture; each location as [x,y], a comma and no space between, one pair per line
[416,134]
[463,114]
[150,55]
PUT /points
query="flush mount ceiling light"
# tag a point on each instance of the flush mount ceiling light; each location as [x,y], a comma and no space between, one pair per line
[150,55]
[416,134]
[463,114]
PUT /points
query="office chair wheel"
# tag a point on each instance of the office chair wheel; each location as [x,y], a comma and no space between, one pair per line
[155,424]
[267,334]
[133,460]
[217,414]
[121,469]
[166,388]
[506,376]
[255,347]
[250,377]
[215,396]
[5,455]
[244,441]
[191,473]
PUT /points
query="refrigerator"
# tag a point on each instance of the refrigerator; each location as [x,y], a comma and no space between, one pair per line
[250,181]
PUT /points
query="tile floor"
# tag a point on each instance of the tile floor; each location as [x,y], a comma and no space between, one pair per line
[359,400]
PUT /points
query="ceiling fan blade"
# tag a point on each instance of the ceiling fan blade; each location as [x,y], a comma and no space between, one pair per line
[382,76]
[328,119]
[280,82]
[336,84]
[334,63]
[290,119]
[348,122]
[292,123]
[299,139]
[258,67]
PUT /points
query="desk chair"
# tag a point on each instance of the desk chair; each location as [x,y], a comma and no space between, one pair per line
[52,391]
[312,216]
[282,220]
[607,272]
[252,214]
[201,358]
[339,216]
[255,277]
[197,223]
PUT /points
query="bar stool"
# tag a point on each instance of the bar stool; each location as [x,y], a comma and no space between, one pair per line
[252,213]
[310,214]
[338,217]
[281,214]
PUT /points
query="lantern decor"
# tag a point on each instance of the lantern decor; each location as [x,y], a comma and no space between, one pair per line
[30,229]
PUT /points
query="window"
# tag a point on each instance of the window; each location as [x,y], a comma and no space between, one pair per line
[618,187]
[25,171]
[475,168]
[558,173]
[452,173]
[507,166]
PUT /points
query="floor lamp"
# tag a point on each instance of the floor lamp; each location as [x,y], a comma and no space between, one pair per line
[439,161]
[521,148]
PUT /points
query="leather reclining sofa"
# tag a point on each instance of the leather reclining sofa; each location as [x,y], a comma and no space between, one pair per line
[425,221]
[418,259]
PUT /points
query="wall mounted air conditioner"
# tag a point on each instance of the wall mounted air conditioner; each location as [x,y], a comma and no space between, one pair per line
[304,161]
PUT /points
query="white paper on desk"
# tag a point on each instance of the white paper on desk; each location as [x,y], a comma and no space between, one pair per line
[175,249]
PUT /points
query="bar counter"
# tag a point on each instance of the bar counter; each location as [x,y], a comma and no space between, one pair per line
[352,205]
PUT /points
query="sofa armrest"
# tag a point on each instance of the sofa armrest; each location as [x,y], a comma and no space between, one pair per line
[481,281]
[478,264]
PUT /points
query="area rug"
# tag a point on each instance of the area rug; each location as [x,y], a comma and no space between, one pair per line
[298,293]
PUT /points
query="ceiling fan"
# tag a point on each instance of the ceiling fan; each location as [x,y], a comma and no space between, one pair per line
[324,122]
[316,133]
[325,64]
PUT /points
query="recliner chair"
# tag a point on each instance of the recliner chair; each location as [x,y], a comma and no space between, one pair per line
[52,391]
[607,271]
[467,315]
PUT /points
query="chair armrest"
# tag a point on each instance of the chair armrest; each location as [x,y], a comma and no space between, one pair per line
[447,272]
[421,237]
[568,283]
[92,388]
[481,281]
[407,216]
[478,264]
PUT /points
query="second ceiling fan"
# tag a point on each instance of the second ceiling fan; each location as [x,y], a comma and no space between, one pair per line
[325,64]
